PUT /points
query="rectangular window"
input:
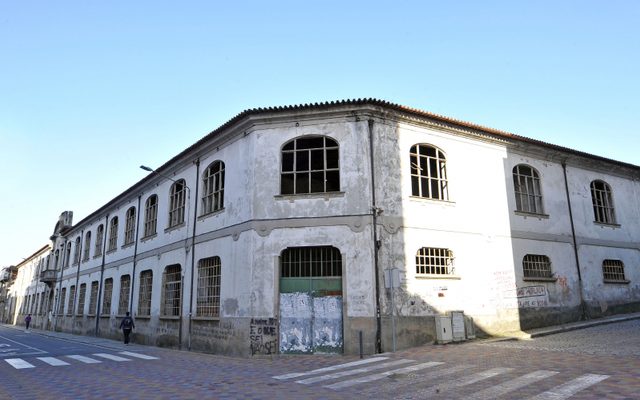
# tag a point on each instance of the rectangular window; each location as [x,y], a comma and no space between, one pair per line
[106,300]
[613,271]
[81,296]
[125,290]
[144,295]
[434,261]
[536,266]
[72,298]
[93,298]
[171,292]
[208,299]
[63,297]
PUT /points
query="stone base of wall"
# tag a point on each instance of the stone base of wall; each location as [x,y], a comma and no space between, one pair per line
[410,332]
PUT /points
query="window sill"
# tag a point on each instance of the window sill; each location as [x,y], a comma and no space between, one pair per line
[526,214]
[169,317]
[607,225]
[175,227]
[142,316]
[97,256]
[202,217]
[105,316]
[434,276]
[625,282]
[149,237]
[205,318]
[111,251]
[539,279]
[433,201]
[124,246]
[305,196]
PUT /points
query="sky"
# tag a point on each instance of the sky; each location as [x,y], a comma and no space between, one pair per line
[90,90]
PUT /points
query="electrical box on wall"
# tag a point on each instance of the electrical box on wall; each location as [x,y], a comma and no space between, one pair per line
[444,332]
[457,326]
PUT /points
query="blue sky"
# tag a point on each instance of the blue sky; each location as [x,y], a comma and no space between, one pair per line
[91,90]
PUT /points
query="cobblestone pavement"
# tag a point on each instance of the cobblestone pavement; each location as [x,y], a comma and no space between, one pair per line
[600,362]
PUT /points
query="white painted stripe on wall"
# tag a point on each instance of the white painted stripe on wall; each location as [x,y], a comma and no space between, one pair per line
[53,361]
[356,371]
[331,368]
[18,363]
[111,357]
[84,359]
[512,385]
[375,377]
[138,355]
[570,388]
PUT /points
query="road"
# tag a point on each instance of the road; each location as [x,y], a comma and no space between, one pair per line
[601,362]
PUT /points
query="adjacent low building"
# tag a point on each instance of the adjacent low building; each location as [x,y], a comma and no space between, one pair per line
[327,227]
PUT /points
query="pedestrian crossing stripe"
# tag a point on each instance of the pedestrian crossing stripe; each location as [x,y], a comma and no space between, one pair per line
[19,363]
[570,388]
[331,368]
[138,355]
[84,359]
[352,372]
[111,357]
[53,361]
[375,377]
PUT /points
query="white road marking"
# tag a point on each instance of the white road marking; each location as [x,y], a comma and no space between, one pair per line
[570,388]
[84,359]
[511,385]
[329,369]
[375,377]
[111,357]
[19,363]
[138,355]
[356,371]
[24,345]
[52,361]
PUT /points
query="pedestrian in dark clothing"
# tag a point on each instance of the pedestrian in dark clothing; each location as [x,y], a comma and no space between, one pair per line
[27,320]
[127,325]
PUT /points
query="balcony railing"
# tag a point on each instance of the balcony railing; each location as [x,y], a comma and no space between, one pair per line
[48,275]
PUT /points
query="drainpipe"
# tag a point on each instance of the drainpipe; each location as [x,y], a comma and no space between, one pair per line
[75,295]
[57,300]
[583,310]
[106,232]
[374,217]
[135,259]
[193,255]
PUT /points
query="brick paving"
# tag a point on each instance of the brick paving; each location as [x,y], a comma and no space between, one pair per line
[611,349]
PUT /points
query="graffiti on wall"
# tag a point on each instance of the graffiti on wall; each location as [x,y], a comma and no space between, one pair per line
[263,336]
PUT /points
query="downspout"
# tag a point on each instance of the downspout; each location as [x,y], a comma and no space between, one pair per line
[56,302]
[135,258]
[374,218]
[583,312]
[193,255]
[104,248]
[75,295]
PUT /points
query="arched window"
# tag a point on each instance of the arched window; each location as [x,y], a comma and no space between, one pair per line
[99,238]
[125,291]
[172,283]
[144,294]
[87,246]
[434,261]
[76,252]
[526,183]
[67,255]
[130,226]
[213,188]
[176,203]
[208,300]
[602,202]
[428,172]
[151,216]
[310,165]
[536,266]
[317,261]
[113,234]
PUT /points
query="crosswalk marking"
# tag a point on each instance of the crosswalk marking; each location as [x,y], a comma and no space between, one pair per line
[511,385]
[374,377]
[138,355]
[111,357]
[52,361]
[19,363]
[570,388]
[331,368]
[352,372]
[84,359]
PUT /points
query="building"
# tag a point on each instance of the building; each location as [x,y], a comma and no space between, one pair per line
[326,227]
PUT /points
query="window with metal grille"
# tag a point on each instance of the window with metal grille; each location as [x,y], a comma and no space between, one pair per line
[76,252]
[63,297]
[67,255]
[208,299]
[81,297]
[213,190]
[106,299]
[93,298]
[602,202]
[428,172]
[536,266]
[526,183]
[613,271]
[176,203]
[151,216]
[310,165]
[72,298]
[37,303]
[87,246]
[321,261]
[144,295]
[125,291]
[171,291]
[130,226]
[99,238]
[113,234]
[434,261]
[42,297]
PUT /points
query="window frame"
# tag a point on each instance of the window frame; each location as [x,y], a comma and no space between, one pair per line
[151,216]
[208,287]
[71,301]
[527,189]
[107,295]
[130,226]
[87,246]
[614,271]
[113,234]
[602,201]
[305,168]
[177,202]
[213,188]
[145,291]
[82,296]
[423,184]
[99,239]
[537,267]
[434,262]
[171,304]
[93,298]
[123,299]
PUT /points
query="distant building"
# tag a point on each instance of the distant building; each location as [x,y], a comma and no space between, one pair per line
[289,229]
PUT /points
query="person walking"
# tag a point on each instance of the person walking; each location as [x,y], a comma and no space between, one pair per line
[127,325]
[27,320]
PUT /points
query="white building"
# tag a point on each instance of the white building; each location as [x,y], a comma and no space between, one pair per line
[275,232]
